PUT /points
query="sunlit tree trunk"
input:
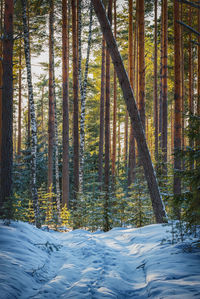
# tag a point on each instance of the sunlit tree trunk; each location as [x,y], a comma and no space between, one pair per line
[32,116]
[114,104]
[65,77]
[155,81]
[141,61]
[164,86]
[177,103]
[190,73]
[198,79]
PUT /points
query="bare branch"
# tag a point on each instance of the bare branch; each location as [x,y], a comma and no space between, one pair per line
[188,27]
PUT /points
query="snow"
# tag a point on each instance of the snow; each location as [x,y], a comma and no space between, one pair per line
[122,263]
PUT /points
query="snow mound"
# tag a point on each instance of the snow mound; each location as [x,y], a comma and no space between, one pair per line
[122,263]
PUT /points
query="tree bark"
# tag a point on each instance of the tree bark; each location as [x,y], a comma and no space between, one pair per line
[114,104]
[32,116]
[1,74]
[65,77]
[131,164]
[107,131]
[198,79]
[164,86]
[51,124]
[177,103]
[7,111]
[141,61]
[19,141]
[83,101]
[102,103]
[75,102]
[155,80]
[157,203]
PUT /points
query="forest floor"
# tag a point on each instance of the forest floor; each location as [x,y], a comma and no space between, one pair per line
[122,263]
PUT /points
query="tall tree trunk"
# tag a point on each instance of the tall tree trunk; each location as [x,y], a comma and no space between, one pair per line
[157,203]
[51,125]
[131,165]
[102,103]
[7,111]
[19,102]
[65,77]
[177,103]
[141,61]
[198,78]
[83,102]
[32,116]
[1,74]
[164,87]
[155,81]
[75,102]
[126,139]
[161,80]
[114,104]
[107,132]
[190,71]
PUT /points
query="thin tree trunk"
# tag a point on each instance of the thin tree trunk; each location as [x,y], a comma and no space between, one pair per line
[107,132]
[52,63]
[177,104]
[131,165]
[141,61]
[126,139]
[164,87]
[157,203]
[155,82]
[102,100]
[19,102]
[83,102]
[198,82]
[32,116]
[75,102]
[51,125]
[7,111]
[114,104]
[161,80]
[65,77]
[190,71]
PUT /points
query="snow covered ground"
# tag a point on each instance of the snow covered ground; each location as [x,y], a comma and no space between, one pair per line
[123,263]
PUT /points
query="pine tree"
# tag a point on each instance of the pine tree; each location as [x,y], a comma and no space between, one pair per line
[7,110]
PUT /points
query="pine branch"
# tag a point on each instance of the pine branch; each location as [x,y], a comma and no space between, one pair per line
[190,3]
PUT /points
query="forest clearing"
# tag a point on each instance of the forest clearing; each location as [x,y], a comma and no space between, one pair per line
[100,133]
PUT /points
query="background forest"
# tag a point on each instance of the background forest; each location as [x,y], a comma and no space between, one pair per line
[68,150]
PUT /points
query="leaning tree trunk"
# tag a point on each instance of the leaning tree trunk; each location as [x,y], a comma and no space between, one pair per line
[7,112]
[83,101]
[65,77]
[32,116]
[157,202]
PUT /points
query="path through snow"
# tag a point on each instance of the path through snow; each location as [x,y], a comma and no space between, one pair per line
[123,263]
